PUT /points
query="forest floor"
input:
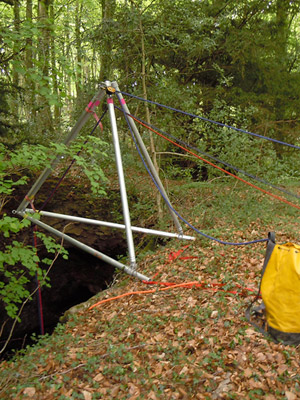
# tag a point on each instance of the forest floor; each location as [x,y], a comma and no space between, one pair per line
[189,341]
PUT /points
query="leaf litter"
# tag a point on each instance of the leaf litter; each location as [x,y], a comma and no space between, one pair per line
[183,343]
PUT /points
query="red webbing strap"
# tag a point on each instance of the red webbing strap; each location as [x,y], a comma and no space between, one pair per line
[30,201]
[90,108]
[203,285]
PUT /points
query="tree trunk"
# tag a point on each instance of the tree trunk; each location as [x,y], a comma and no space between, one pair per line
[54,69]
[108,10]
[282,33]
[16,44]
[148,119]
[282,30]
[29,82]
[78,15]
[44,115]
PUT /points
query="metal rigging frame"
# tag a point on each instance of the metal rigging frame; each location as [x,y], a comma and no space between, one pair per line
[109,89]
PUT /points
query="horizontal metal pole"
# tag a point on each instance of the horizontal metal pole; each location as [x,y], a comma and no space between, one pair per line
[111,225]
[86,248]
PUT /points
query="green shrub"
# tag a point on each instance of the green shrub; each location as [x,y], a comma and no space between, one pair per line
[18,261]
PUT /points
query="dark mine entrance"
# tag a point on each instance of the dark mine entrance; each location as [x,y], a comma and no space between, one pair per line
[72,281]
[82,275]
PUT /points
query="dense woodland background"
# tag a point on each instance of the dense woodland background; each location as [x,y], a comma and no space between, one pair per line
[236,62]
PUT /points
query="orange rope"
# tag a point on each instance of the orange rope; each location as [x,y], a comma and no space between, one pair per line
[187,285]
[171,285]
[215,166]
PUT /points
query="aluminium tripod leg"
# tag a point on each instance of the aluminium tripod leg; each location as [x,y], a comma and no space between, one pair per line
[123,193]
[147,157]
[71,136]
[88,249]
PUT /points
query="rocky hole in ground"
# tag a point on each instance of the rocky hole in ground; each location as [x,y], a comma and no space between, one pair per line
[82,275]
[73,281]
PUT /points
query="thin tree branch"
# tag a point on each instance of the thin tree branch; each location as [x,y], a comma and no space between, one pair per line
[148,6]
[173,154]
[4,61]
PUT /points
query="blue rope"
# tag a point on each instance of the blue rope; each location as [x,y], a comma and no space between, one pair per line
[169,205]
[212,121]
[214,158]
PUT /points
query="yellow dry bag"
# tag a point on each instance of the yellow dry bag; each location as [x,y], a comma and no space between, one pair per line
[280,291]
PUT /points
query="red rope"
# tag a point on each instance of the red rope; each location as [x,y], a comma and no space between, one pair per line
[216,166]
[39,291]
[40,301]
[204,285]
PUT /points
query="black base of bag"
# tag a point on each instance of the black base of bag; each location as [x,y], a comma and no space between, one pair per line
[289,339]
[292,339]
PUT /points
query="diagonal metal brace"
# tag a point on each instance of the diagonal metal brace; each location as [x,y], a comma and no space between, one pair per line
[86,248]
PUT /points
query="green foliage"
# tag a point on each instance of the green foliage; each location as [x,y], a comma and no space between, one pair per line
[10,225]
[18,261]
[87,154]
[224,57]
[236,148]
[13,289]
[5,124]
